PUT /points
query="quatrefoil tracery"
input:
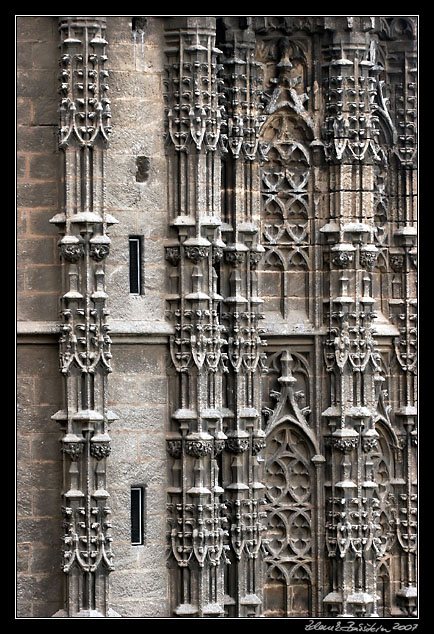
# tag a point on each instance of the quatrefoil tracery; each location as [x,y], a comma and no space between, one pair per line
[289,501]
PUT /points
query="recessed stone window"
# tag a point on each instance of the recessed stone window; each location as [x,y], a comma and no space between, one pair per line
[137,516]
[135,264]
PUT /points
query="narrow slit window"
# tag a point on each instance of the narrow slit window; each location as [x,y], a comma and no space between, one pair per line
[137,516]
[135,247]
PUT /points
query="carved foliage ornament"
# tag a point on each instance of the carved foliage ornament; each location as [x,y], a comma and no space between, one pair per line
[85,107]
[193,112]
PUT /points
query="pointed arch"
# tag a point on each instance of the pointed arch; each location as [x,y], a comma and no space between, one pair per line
[290,505]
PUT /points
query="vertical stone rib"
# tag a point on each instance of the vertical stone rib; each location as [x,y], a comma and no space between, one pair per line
[84,343]
[351,134]
[242,462]
[402,61]
[196,436]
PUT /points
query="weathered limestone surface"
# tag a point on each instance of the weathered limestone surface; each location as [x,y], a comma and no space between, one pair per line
[261,386]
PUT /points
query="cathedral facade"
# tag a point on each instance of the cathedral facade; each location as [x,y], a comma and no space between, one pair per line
[216,316]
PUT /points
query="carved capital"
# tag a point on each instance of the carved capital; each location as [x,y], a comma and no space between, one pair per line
[98,251]
[174,448]
[73,447]
[255,257]
[198,448]
[217,254]
[396,261]
[100,449]
[71,249]
[369,444]
[172,255]
[235,258]
[342,259]
[346,445]
[219,445]
[237,445]
[368,259]
[100,446]
[257,445]
[196,253]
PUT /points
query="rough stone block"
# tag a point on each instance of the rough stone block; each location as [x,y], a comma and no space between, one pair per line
[36,83]
[46,609]
[119,197]
[37,28]
[40,475]
[36,418]
[135,418]
[37,138]
[38,307]
[47,446]
[23,557]
[43,278]
[38,225]
[24,112]
[44,167]
[46,560]
[126,556]
[152,445]
[24,610]
[149,583]
[119,29]
[23,447]
[126,474]
[23,504]
[120,500]
[37,194]
[123,390]
[152,389]
[146,360]
[43,531]
[34,360]
[45,54]
[121,529]
[124,445]
[24,55]
[38,587]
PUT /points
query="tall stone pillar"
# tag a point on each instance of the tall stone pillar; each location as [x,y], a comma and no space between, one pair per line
[195,437]
[242,311]
[85,342]
[353,152]
[399,35]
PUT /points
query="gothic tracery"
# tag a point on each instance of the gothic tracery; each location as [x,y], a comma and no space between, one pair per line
[291,261]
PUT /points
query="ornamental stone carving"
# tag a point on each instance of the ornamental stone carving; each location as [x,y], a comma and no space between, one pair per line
[85,352]
[289,319]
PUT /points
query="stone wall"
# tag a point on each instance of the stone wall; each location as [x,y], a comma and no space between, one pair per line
[38,187]
[295,205]
[39,389]
[137,385]
[39,481]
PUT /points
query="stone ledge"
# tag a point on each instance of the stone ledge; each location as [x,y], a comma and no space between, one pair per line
[38,327]
[118,329]
[385,330]
[123,329]
[284,328]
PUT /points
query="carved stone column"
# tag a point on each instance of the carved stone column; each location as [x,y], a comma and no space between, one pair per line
[350,133]
[399,36]
[195,438]
[242,461]
[85,342]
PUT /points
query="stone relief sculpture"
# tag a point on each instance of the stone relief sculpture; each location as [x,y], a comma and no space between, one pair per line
[291,444]
[85,341]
